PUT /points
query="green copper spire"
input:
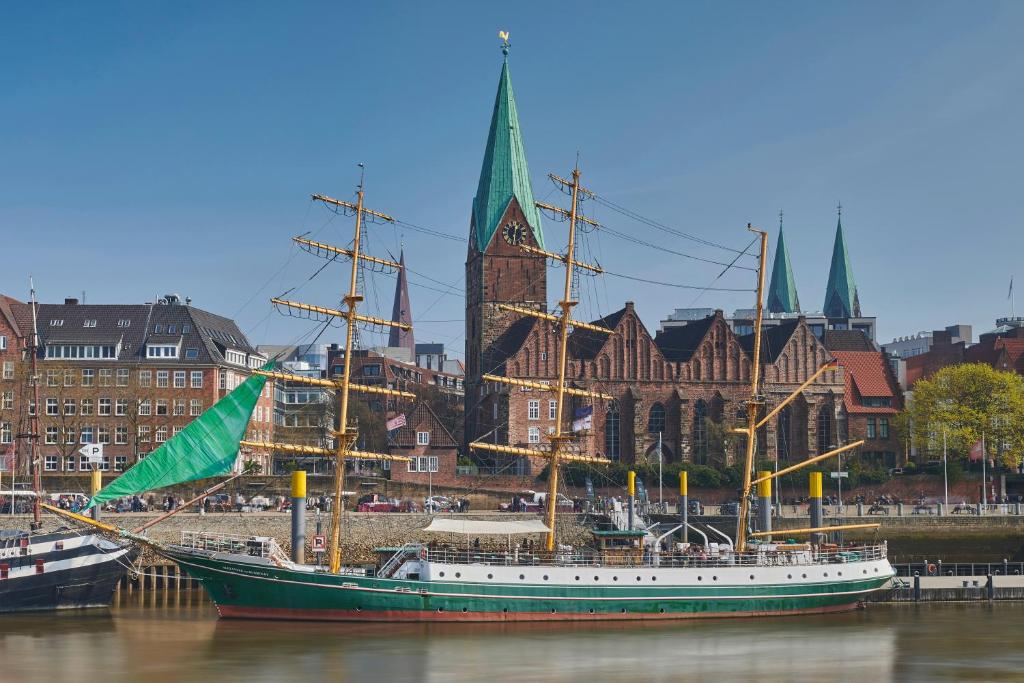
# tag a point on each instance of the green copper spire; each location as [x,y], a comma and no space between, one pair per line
[841,293]
[782,296]
[505,173]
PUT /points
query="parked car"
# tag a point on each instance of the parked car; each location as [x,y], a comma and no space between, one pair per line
[438,504]
[694,507]
[374,502]
[729,508]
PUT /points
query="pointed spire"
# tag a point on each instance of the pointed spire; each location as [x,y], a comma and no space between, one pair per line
[841,299]
[505,174]
[782,297]
[402,313]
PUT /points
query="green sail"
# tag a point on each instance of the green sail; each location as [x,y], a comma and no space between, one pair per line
[207,447]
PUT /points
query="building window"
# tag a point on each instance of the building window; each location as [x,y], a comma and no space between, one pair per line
[86,436]
[161,406]
[195,407]
[56,323]
[120,435]
[533,410]
[124,322]
[179,379]
[52,378]
[122,377]
[197,379]
[145,378]
[533,435]
[161,434]
[700,432]
[236,357]
[656,419]
[191,353]
[81,351]
[611,431]
[86,406]
[51,406]
[69,436]
[121,407]
[162,378]
[52,434]
[871,427]
[89,323]
[883,428]
[103,407]
[825,437]
[3,342]
[69,378]
[782,432]
[145,407]
[120,463]
[50,463]
[161,351]
[8,369]
[102,435]
[432,463]
[422,438]
[371,370]
[106,377]
[69,463]
[32,407]
[143,434]
[179,407]
[7,401]
[552,410]
[69,406]
[6,436]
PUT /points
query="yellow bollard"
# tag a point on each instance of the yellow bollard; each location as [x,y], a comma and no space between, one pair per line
[683,484]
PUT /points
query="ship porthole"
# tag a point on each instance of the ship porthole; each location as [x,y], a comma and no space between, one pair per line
[553,611]
[661,611]
[464,610]
[623,610]
[505,610]
[441,574]
[840,573]
[522,577]
[789,576]
[595,578]
[804,575]
[545,577]
[826,573]
[490,576]
[654,578]
[699,578]
[638,578]
[440,609]
[577,578]
[458,575]
[751,577]
[615,578]
[714,578]
[591,610]
[876,570]
[865,571]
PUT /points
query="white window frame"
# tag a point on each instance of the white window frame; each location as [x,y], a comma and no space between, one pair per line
[195,407]
[533,435]
[120,435]
[103,406]
[121,407]
[552,410]
[163,379]
[197,379]
[51,463]
[422,438]
[52,406]
[120,461]
[179,379]
[8,369]
[533,410]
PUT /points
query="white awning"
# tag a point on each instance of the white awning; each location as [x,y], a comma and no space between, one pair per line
[480,527]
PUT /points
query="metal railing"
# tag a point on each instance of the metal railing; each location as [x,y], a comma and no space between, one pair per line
[939,568]
[253,546]
[724,558]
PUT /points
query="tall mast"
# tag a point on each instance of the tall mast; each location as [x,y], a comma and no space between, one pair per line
[559,439]
[37,479]
[756,400]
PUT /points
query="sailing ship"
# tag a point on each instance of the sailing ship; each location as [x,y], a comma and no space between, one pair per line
[60,569]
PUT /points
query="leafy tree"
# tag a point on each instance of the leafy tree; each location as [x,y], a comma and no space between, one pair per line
[968,400]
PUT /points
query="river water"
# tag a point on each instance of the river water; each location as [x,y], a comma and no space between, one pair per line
[155,638]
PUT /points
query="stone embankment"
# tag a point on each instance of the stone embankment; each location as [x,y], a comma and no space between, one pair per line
[361,531]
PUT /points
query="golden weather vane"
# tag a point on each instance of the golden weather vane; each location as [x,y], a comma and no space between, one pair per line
[505,45]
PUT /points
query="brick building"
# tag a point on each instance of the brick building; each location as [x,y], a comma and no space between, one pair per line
[432,450]
[127,376]
[871,401]
[379,369]
[687,383]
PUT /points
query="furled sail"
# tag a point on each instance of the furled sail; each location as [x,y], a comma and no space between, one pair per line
[207,447]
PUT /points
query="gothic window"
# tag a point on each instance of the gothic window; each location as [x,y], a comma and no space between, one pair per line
[825,428]
[611,431]
[605,370]
[656,419]
[782,434]
[700,432]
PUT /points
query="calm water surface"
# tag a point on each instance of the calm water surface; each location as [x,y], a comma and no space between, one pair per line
[171,638]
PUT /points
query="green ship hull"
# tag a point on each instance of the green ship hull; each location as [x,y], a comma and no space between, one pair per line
[241,589]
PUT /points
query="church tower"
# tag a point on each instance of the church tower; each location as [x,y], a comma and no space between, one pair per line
[782,296]
[401,312]
[498,271]
[841,300]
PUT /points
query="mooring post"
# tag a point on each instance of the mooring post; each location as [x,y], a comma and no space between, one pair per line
[631,490]
[299,516]
[764,503]
[814,505]
[917,586]
[684,505]
[990,587]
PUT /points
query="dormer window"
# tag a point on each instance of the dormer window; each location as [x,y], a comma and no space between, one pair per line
[89,323]
[236,357]
[185,329]
[161,351]
[124,322]
[171,329]
[56,323]
[158,329]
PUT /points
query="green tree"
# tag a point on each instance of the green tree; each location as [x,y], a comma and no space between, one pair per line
[966,401]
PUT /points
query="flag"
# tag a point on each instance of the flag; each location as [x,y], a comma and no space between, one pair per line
[582,418]
[1009,294]
[977,450]
[396,422]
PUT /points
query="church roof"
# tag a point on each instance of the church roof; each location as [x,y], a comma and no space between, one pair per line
[586,344]
[678,344]
[773,340]
[401,312]
[782,297]
[841,292]
[512,339]
[505,174]
[847,340]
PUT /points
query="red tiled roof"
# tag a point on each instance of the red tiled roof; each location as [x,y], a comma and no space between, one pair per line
[1014,349]
[867,375]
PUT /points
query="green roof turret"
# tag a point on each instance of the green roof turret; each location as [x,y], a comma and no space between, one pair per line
[782,297]
[841,299]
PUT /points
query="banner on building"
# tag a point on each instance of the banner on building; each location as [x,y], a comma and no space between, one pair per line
[583,418]
[396,422]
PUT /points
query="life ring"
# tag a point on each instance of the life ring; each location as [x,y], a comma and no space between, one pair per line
[931,569]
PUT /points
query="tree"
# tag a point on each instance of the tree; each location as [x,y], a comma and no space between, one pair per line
[967,401]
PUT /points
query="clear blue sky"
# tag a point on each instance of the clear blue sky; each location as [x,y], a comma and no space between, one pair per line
[171,147]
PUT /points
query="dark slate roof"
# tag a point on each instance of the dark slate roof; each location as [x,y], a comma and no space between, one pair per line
[135,325]
[430,348]
[678,344]
[511,340]
[586,344]
[847,340]
[773,340]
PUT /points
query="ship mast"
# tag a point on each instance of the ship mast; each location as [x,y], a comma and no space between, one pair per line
[560,440]
[33,436]
[346,433]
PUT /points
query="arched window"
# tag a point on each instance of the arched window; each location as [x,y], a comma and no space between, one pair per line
[656,419]
[826,437]
[700,432]
[782,434]
[611,431]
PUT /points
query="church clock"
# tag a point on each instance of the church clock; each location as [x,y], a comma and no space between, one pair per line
[514,233]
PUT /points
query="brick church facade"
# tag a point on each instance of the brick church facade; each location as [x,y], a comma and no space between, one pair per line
[688,384]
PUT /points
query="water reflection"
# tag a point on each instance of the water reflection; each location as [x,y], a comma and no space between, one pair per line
[156,637]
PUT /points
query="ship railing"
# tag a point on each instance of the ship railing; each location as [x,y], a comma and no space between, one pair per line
[697,559]
[254,546]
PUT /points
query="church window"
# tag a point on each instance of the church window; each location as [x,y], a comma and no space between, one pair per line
[825,423]
[656,419]
[700,432]
[611,431]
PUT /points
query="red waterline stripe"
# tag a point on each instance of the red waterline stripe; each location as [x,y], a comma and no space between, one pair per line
[284,613]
